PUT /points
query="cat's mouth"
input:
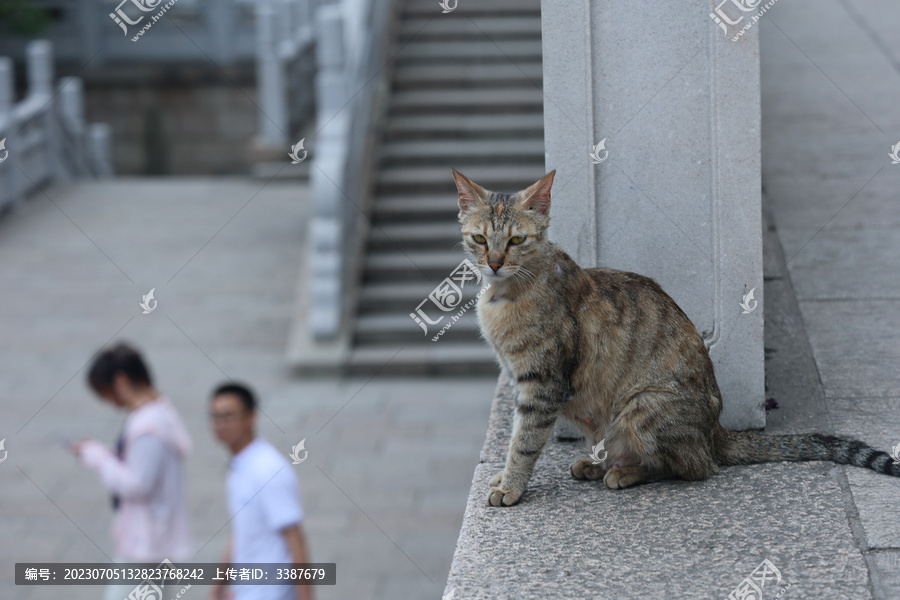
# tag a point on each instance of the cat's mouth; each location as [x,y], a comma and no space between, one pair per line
[498,275]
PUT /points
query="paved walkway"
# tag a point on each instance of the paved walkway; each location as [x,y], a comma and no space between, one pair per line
[831,86]
[390,460]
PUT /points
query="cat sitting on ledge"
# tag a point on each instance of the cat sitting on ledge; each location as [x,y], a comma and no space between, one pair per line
[612,352]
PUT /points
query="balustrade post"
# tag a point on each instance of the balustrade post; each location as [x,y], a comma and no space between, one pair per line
[273,124]
[8,189]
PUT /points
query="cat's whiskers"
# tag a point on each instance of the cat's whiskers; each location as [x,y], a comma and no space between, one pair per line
[527,275]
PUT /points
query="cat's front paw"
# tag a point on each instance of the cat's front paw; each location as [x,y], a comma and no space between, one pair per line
[584,468]
[624,477]
[496,479]
[501,496]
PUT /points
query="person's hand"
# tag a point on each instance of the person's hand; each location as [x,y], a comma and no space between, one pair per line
[220,591]
[75,447]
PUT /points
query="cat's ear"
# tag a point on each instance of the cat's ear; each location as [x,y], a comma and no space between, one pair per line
[470,193]
[537,196]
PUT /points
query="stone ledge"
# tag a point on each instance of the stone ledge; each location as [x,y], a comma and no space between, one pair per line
[575,539]
[676,539]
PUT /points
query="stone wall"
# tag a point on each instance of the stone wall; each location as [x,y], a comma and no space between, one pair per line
[176,120]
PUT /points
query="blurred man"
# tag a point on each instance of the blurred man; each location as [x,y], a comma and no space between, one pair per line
[145,473]
[263,497]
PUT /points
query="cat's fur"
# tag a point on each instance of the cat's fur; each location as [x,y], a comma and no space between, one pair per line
[611,351]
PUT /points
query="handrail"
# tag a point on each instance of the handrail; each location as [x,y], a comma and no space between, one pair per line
[352,38]
[285,67]
[45,137]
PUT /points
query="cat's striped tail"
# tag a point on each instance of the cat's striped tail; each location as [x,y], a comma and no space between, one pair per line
[746,448]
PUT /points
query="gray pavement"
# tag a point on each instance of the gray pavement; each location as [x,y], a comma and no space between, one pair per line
[830,83]
[830,116]
[390,460]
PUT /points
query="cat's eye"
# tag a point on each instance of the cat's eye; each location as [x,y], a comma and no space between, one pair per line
[479,238]
[516,239]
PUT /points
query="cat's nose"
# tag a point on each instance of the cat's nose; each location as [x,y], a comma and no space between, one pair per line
[495,266]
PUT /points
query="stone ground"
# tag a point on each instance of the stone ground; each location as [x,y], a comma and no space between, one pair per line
[830,84]
[390,460]
[830,81]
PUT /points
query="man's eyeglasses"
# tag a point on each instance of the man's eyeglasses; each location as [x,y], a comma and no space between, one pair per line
[223,416]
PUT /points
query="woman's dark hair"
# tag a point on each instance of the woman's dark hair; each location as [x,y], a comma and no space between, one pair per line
[243,393]
[120,358]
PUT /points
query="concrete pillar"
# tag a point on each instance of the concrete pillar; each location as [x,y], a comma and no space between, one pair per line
[8,190]
[100,139]
[327,229]
[676,194]
[7,90]
[71,103]
[39,67]
[270,80]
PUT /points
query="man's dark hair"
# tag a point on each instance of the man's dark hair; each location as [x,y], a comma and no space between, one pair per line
[121,358]
[244,394]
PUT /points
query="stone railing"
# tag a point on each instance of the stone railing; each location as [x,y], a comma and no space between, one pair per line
[285,68]
[44,136]
[351,82]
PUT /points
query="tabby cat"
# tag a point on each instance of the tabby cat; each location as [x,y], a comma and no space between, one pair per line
[612,352]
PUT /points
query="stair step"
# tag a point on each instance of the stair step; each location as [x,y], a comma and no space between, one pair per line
[507,52]
[477,28]
[425,358]
[431,266]
[401,328]
[415,236]
[456,76]
[521,151]
[440,126]
[396,209]
[466,93]
[503,178]
[403,297]
[464,9]
[494,100]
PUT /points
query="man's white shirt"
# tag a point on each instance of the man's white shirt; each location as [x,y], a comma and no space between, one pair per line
[263,499]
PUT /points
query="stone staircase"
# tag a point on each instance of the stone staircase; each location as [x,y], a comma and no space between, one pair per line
[466,93]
